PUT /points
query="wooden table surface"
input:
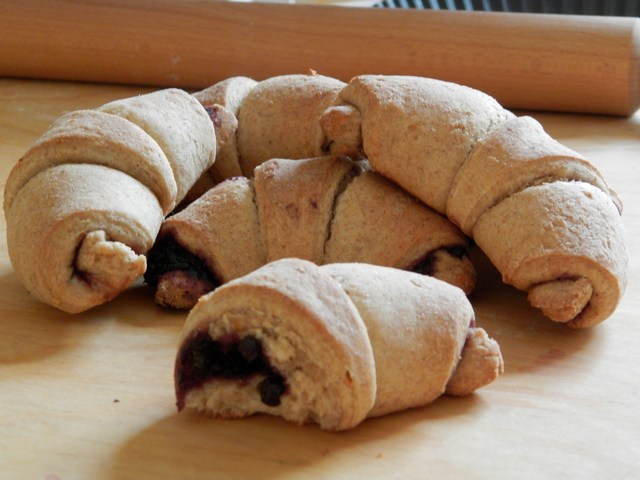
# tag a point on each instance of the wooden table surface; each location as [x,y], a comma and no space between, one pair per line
[91,396]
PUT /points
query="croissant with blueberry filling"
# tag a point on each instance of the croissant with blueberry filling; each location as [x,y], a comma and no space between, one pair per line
[330,345]
[542,213]
[86,201]
[326,210]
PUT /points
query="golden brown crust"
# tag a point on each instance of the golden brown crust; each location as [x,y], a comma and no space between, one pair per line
[279,118]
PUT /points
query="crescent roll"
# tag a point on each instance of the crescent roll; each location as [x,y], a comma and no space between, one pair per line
[214,240]
[77,234]
[86,201]
[542,213]
[181,127]
[325,210]
[322,345]
[278,118]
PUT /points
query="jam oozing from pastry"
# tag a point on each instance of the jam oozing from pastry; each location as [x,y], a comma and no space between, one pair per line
[212,111]
[203,358]
[167,255]
[426,266]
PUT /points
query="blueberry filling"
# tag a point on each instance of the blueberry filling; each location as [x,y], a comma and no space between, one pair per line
[212,111]
[167,255]
[232,358]
[426,266]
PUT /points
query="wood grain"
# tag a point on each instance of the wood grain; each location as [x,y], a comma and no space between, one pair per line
[91,396]
[543,62]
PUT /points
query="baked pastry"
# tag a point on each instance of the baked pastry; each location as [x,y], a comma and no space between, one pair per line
[98,138]
[258,121]
[296,204]
[330,345]
[278,118]
[222,101]
[77,234]
[401,121]
[324,209]
[86,201]
[181,127]
[375,221]
[214,240]
[501,179]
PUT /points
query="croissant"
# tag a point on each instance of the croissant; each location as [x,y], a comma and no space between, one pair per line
[84,204]
[541,213]
[325,210]
[330,345]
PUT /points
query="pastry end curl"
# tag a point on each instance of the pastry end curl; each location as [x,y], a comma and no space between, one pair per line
[561,300]
[480,364]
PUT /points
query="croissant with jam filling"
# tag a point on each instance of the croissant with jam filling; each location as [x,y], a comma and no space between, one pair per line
[325,210]
[542,213]
[86,201]
[330,345]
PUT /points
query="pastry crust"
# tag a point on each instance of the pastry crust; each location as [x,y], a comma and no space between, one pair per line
[222,102]
[459,152]
[179,124]
[226,164]
[417,326]
[295,204]
[221,229]
[85,203]
[311,334]
[376,222]
[279,118]
[480,364]
[415,128]
[322,209]
[89,136]
[228,93]
[560,231]
[513,156]
[85,242]
[343,339]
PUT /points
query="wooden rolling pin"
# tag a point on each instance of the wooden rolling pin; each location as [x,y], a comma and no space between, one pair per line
[526,61]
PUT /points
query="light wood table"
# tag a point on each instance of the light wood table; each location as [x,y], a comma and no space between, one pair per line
[91,396]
